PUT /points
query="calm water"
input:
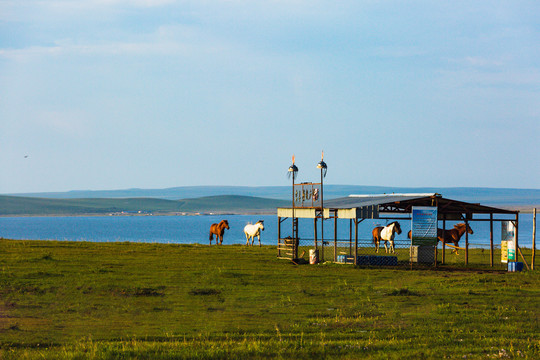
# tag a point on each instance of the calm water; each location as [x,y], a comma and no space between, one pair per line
[194,229]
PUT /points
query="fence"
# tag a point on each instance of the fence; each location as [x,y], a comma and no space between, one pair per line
[479,254]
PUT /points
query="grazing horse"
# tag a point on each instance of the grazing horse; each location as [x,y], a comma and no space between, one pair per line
[386,234]
[254,230]
[452,235]
[218,230]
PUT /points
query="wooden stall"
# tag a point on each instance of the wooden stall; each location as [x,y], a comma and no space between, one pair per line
[357,208]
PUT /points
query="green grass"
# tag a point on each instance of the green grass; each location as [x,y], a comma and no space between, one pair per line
[15,205]
[64,300]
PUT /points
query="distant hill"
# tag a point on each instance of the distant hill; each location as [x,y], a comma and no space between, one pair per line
[489,196]
[16,205]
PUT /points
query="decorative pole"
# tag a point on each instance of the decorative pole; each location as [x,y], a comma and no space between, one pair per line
[293,170]
[322,165]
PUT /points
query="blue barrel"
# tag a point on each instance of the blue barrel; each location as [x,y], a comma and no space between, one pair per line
[514,266]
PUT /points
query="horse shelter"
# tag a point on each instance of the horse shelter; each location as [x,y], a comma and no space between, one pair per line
[348,213]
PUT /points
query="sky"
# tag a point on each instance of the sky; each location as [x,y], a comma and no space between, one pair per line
[116,94]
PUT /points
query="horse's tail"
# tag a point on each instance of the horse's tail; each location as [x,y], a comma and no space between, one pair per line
[211,236]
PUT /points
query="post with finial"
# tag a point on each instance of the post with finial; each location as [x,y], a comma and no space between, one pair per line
[322,166]
[293,170]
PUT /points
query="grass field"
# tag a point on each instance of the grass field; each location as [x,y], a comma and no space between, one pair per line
[16,205]
[64,300]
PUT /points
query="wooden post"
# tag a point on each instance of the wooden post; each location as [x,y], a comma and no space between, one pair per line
[350,236]
[355,241]
[296,239]
[315,231]
[335,237]
[279,236]
[443,243]
[466,243]
[533,239]
[517,232]
[321,253]
[491,239]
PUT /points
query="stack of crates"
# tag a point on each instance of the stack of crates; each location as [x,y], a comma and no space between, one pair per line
[423,254]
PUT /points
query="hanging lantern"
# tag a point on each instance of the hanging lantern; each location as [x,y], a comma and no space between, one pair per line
[322,165]
[292,169]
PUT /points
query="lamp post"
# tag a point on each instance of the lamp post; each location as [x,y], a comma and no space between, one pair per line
[322,165]
[291,172]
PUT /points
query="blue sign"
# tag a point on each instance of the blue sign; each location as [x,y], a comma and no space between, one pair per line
[424,225]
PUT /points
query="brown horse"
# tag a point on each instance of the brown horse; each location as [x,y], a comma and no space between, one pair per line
[218,230]
[452,235]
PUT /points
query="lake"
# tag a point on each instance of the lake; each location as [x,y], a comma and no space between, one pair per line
[195,229]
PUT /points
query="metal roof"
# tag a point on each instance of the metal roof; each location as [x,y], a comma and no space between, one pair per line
[357,201]
[371,205]
[403,203]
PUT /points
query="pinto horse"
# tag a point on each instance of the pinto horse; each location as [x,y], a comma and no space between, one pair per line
[254,230]
[386,234]
[218,230]
[452,235]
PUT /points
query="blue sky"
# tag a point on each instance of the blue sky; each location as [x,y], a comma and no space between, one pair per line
[112,94]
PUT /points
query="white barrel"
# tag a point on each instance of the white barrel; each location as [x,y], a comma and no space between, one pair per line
[313,256]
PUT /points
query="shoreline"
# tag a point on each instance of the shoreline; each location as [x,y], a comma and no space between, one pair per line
[141,215]
[522,210]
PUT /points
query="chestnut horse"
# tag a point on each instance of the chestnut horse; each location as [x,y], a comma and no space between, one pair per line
[386,234]
[218,230]
[452,235]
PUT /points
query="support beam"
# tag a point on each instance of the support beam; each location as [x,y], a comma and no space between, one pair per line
[443,243]
[335,238]
[315,232]
[350,236]
[355,241]
[517,232]
[466,243]
[279,237]
[491,239]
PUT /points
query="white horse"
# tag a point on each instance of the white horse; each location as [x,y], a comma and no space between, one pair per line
[254,230]
[386,234]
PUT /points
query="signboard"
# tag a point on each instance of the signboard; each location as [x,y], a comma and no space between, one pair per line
[504,251]
[424,225]
[508,235]
[307,195]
